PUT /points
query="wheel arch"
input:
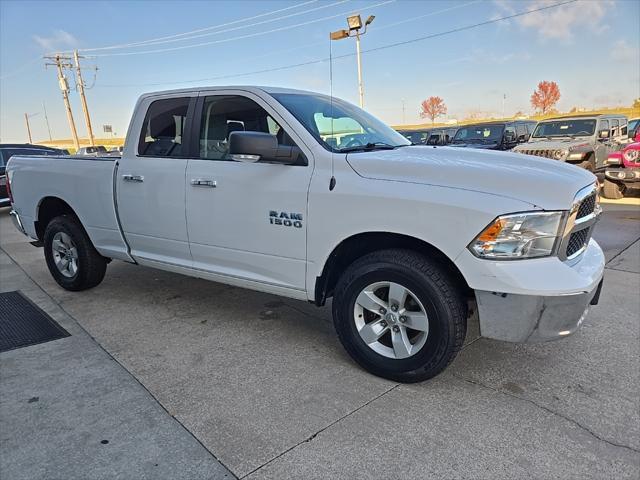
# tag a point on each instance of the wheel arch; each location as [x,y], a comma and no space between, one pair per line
[358,245]
[48,208]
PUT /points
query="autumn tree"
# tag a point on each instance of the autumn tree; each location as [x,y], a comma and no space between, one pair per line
[432,107]
[546,96]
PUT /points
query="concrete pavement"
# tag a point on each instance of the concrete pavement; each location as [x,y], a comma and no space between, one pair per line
[264,384]
[69,411]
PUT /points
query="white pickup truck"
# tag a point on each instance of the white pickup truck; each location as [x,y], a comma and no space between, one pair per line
[301,195]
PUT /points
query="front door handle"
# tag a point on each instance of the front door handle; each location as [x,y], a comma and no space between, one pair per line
[133,178]
[201,182]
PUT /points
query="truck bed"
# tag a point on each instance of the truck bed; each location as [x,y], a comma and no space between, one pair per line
[85,183]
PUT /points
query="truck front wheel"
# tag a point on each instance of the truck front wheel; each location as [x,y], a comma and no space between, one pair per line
[71,257]
[399,315]
[613,190]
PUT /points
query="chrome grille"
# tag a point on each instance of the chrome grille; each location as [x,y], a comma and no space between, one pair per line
[587,206]
[577,241]
[582,218]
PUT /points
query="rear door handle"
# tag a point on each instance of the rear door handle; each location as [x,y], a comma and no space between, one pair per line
[133,178]
[202,182]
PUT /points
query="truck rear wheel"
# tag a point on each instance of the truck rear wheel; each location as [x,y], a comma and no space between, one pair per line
[71,257]
[399,315]
[613,190]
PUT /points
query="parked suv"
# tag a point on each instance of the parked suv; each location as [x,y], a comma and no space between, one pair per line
[584,140]
[493,135]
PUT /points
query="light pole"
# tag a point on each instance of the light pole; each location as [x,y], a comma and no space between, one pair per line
[354,23]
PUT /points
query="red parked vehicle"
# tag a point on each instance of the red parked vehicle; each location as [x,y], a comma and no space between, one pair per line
[622,170]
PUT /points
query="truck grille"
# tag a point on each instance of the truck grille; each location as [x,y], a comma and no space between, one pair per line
[582,218]
[577,241]
[587,206]
[538,153]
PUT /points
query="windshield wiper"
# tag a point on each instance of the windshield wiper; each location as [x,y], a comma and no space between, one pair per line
[367,147]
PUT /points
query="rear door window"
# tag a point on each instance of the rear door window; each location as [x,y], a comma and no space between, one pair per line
[164,129]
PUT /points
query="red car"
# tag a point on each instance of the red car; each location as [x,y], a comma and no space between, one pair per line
[622,170]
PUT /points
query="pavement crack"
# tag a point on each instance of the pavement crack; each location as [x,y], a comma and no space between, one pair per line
[548,410]
[622,251]
[311,437]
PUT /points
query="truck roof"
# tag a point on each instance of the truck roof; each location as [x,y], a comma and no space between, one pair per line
[249,88]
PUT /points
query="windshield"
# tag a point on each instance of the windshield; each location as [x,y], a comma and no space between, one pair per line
[338,125]
[479,134]
[566,128]
[633,124]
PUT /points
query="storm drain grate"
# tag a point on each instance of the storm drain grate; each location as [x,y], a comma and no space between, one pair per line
[23,324]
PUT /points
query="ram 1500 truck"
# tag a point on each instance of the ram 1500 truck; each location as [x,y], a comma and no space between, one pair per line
[309,197]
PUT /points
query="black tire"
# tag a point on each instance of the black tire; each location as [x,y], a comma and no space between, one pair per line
[613,190]
[91,266]
[443,301]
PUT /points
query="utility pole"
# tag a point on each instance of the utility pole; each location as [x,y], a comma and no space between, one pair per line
[59,63]
[26,119]
[403,111]
[46,119]
[83,99]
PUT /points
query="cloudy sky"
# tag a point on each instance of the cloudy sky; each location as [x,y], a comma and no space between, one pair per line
[590,47]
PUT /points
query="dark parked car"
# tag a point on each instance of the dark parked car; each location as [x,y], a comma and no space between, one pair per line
[430,136]
[494,135]
[7,150]
[417,137]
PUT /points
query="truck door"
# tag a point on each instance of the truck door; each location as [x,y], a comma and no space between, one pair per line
[150,182]
[246,220]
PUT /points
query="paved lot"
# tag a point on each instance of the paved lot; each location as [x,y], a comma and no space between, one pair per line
[264,384]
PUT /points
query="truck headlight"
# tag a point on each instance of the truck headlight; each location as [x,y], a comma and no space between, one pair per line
[520,235]
[576,156]
[560,154]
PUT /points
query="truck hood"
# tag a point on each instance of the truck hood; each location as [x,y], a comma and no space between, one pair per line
[555,144]
[547,184]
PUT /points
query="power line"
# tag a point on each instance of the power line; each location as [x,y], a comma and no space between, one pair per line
[241,27]
[21,68]
[375,49]
[250,35]
[153,40]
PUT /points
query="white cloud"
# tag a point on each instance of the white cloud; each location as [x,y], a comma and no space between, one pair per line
[559,23]
[58,40]
[623,52]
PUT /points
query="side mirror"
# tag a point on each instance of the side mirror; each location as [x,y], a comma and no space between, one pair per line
[251,147]
[509,137]
[636,137]
[603,134]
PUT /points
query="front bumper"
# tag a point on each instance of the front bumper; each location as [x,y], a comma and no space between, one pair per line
[625,175]
[539,317]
